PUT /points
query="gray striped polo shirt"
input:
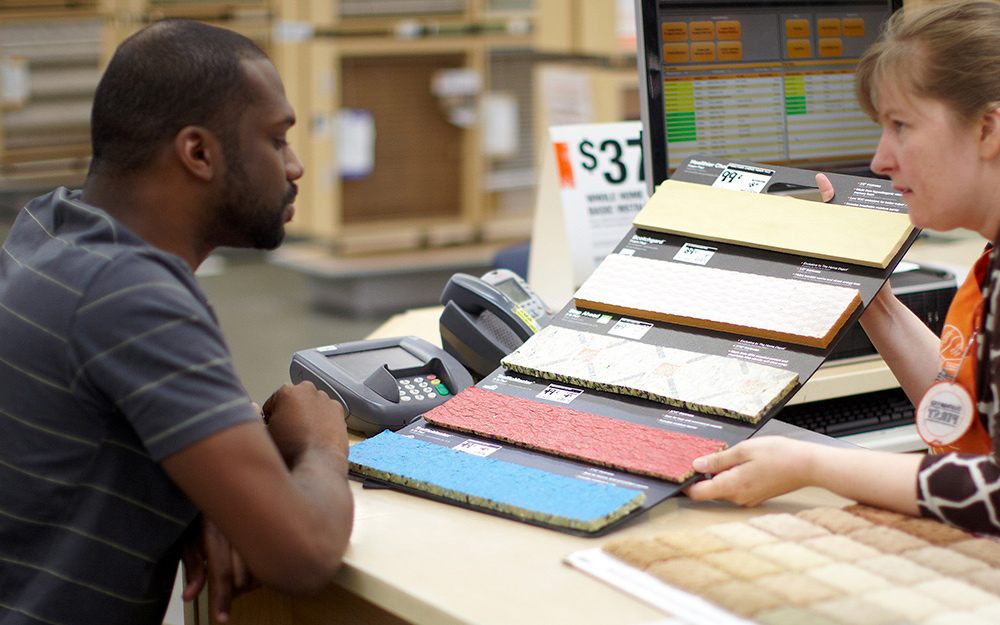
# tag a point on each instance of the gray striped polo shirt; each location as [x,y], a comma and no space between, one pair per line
[110,360]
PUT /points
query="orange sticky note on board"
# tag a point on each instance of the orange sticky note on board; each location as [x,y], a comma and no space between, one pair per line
[566,180]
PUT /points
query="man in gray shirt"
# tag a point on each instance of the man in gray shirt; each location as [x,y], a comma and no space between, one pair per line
[123,418]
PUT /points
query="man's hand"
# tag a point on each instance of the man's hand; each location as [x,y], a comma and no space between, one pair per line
[279,492]
[298,415]
[208,554]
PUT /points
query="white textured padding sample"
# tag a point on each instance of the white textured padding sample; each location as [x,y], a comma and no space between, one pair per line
[784,309]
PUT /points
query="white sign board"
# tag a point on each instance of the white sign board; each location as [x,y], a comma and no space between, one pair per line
[602,188]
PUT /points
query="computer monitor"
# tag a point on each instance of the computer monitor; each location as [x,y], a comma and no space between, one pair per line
[769,81]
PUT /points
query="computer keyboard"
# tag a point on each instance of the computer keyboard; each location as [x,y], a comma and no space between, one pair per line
[853,414]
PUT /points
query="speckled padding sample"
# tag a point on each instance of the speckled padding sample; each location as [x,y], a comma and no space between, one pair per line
[813,572]
[717,385]
[558,430]
[520,491]
[815,229]
[764,307]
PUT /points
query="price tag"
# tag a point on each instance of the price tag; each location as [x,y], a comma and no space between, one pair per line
[743,178]
[630,329]
[602,187]
[477,448]
[695,254]
[561,394]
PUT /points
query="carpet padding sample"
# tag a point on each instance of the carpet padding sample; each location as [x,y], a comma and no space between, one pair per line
[613,443]
[782,309]
[523,492]
[855,235]
[717,385]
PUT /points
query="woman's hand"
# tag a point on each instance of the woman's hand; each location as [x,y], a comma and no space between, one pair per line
[825,187]
[753,471]
[758,469]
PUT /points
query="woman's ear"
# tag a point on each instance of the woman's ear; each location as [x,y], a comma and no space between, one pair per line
[199,152]
[989,138]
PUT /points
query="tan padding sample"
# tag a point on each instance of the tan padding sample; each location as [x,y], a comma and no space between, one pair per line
[848,234]
[783,309]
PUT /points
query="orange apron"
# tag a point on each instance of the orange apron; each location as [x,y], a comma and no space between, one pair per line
[960,327]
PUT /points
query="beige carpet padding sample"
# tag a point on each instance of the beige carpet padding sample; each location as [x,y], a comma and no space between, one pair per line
[717,385]
[783,309]
[820,230]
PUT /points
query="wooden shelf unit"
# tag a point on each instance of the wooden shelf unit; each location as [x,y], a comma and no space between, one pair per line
[588,27]
[448,170]
[510,149]
[194,9]
[50,63]
[399,17]
[421,188]
[19,9]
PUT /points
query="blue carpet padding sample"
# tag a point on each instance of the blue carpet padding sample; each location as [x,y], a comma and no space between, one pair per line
[524,492]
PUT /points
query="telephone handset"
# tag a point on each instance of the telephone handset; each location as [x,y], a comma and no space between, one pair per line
[484,319]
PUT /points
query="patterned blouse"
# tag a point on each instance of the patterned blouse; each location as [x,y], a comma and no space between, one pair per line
[964,489]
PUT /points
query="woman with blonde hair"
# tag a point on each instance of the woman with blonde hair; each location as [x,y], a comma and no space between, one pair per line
[932,82]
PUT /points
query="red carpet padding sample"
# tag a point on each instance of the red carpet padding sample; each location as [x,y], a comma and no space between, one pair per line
[573,434]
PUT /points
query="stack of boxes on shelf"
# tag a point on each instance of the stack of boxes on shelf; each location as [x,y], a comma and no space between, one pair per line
[420,121]
[590,75]
[51,54]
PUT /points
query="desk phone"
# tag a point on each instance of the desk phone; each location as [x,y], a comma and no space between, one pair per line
[382,383]
[486,318]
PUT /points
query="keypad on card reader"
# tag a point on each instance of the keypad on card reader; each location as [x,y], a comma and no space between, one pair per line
[421,388]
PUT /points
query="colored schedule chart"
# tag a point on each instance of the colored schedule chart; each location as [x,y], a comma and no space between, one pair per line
[733,115]
[767,85]
[823,118]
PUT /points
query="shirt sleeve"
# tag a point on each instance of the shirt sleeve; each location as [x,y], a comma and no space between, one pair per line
[961,489]
[146,340]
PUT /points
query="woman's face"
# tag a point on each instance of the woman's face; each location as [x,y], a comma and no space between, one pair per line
[932,158]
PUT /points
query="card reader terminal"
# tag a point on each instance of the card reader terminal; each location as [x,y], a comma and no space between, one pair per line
[382,383]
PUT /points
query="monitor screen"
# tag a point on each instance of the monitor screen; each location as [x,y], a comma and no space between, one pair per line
[764,81]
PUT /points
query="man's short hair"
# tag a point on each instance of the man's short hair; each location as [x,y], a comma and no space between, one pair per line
[171,74]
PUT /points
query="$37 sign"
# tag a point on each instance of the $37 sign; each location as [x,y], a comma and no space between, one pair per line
[595,159]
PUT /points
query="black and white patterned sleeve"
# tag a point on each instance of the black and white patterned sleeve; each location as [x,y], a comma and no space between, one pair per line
[961,489]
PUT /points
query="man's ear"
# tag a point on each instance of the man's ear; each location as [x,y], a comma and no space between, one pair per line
[989,138]
[199,152]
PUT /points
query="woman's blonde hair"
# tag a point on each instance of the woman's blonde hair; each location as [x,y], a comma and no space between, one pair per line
[948,51]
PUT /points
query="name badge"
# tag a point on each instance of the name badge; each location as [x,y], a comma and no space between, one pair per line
[945,413]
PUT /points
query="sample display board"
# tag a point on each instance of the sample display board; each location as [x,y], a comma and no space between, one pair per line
[598,390]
